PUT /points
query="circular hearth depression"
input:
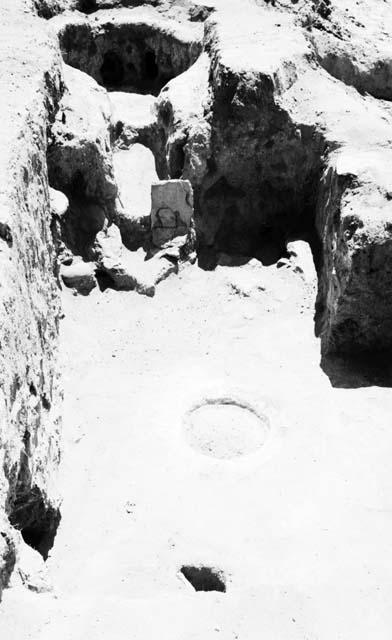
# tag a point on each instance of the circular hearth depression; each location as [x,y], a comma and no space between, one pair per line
[225,428]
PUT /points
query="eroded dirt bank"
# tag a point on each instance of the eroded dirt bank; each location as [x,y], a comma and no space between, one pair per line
[30,306]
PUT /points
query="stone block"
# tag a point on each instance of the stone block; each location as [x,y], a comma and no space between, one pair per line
[171,210]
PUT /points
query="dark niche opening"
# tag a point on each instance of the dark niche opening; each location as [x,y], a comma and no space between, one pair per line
[81,224]
[177,161]
[36,520]
[87,6]
[32,389]
[29,509]
[112,70]
[41,532]
[86,214]
[204,578]
[104,280]
[150,65]
[45,402]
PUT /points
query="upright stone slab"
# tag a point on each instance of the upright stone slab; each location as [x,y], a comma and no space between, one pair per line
[171,210]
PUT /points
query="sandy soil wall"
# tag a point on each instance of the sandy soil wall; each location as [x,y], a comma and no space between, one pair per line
[30,395]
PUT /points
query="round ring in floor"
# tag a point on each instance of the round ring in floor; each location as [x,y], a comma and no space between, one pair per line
[225,428]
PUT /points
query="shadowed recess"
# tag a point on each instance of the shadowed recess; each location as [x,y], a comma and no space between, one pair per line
[353,371]
[131,56]
[29,510]
[112,70]
[204,578]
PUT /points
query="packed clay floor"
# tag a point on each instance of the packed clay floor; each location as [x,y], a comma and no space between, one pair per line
[295,519]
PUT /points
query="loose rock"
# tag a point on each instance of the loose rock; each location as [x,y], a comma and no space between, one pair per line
[79,276]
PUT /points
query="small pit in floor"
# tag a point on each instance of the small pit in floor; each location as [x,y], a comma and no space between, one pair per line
[204,578]
[225,428]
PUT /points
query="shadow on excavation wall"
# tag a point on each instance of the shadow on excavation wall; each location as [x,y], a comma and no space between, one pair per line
[362,370]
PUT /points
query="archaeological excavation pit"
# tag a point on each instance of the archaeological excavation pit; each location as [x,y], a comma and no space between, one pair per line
[213,160]
[204,578]
[225,429]
[128,51]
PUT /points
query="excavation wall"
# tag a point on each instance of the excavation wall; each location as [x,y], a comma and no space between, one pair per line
[29,303]
[264,169]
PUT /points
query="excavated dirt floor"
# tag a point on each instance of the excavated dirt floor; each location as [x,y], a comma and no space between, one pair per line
[298,524]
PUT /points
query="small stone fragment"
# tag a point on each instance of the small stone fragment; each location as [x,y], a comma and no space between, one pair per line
[32,570]
[58,202]
[302,259]
[109,251]
[129,270]
[79,276]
